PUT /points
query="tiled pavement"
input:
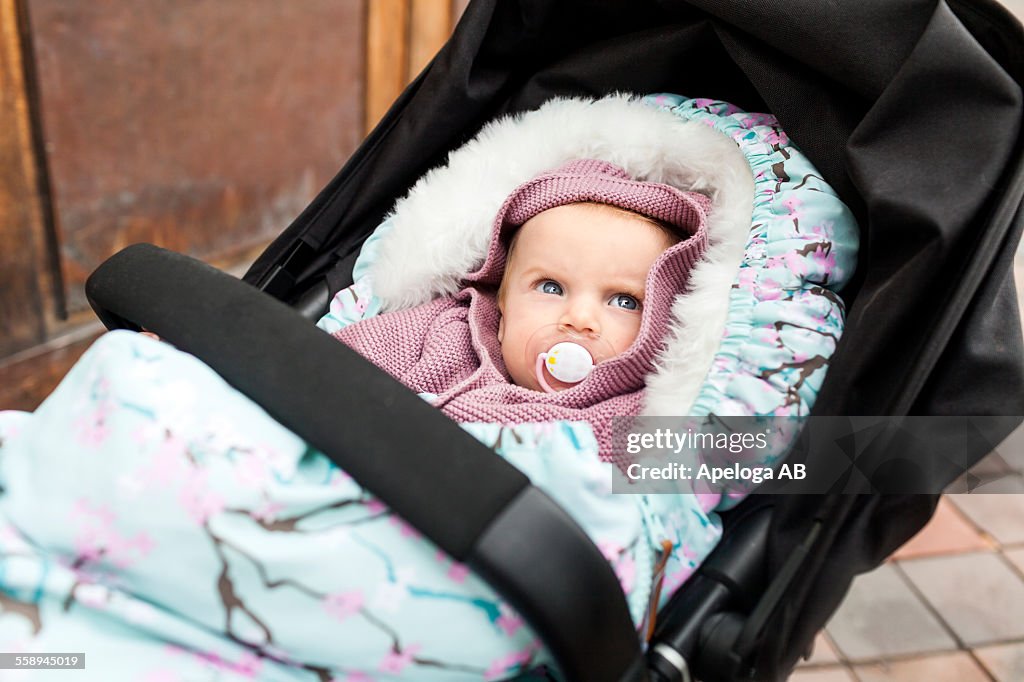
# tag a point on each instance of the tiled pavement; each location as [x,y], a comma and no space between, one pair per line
[949,605]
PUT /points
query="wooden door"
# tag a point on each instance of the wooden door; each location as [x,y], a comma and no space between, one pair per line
[201,126]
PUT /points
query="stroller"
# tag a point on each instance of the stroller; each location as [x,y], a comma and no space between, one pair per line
[912,112]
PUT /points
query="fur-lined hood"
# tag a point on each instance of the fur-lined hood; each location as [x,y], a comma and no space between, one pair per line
[440,231]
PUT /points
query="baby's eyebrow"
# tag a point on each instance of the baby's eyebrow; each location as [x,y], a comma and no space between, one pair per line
[535,270]
[633,287]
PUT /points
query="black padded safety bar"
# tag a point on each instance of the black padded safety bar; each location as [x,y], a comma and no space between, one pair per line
[474,505]
[389,439]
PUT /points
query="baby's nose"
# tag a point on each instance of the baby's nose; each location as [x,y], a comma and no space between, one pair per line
[581,317]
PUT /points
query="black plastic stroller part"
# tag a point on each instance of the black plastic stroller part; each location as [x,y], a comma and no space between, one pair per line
[687,639]
[476,507]
[911,110]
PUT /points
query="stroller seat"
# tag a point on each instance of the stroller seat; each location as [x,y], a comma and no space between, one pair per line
[875,94]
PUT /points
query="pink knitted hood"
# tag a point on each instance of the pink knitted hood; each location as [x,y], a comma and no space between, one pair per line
[449,347]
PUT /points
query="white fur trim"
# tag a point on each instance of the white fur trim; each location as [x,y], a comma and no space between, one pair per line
[441,229]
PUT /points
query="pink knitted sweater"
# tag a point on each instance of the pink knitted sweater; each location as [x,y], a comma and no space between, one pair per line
[449,346]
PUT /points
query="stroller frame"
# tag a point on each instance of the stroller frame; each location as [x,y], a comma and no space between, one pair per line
[925,336]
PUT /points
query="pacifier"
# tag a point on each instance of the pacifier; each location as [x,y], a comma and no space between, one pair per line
[566,356]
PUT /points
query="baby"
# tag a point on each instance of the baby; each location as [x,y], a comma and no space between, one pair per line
[567,313]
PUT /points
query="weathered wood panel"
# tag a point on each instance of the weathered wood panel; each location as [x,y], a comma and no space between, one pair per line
[387,56]
[458,7]
[429,27]
[30,376]
[201,126]
[22,232]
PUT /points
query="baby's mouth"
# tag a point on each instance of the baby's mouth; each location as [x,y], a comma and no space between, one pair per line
[562,357]
[567,362]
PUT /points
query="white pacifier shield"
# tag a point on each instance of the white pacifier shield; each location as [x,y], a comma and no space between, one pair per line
[569,362]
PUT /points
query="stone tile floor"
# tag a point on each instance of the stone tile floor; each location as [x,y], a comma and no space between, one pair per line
[949,604]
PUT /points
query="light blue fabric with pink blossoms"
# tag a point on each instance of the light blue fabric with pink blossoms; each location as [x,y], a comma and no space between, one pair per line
[161,522]
[785,318]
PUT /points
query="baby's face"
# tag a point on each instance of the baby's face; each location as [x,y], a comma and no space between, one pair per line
[582,267]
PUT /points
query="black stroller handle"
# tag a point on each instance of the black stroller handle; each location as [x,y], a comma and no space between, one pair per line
[474,505]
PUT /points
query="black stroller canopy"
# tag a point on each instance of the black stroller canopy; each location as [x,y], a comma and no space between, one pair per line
[910,109]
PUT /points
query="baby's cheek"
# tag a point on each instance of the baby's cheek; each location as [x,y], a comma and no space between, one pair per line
[624,333]
[511,354]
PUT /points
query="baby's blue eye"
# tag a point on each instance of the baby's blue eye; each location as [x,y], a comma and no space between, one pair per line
[626,302]
[549,286]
